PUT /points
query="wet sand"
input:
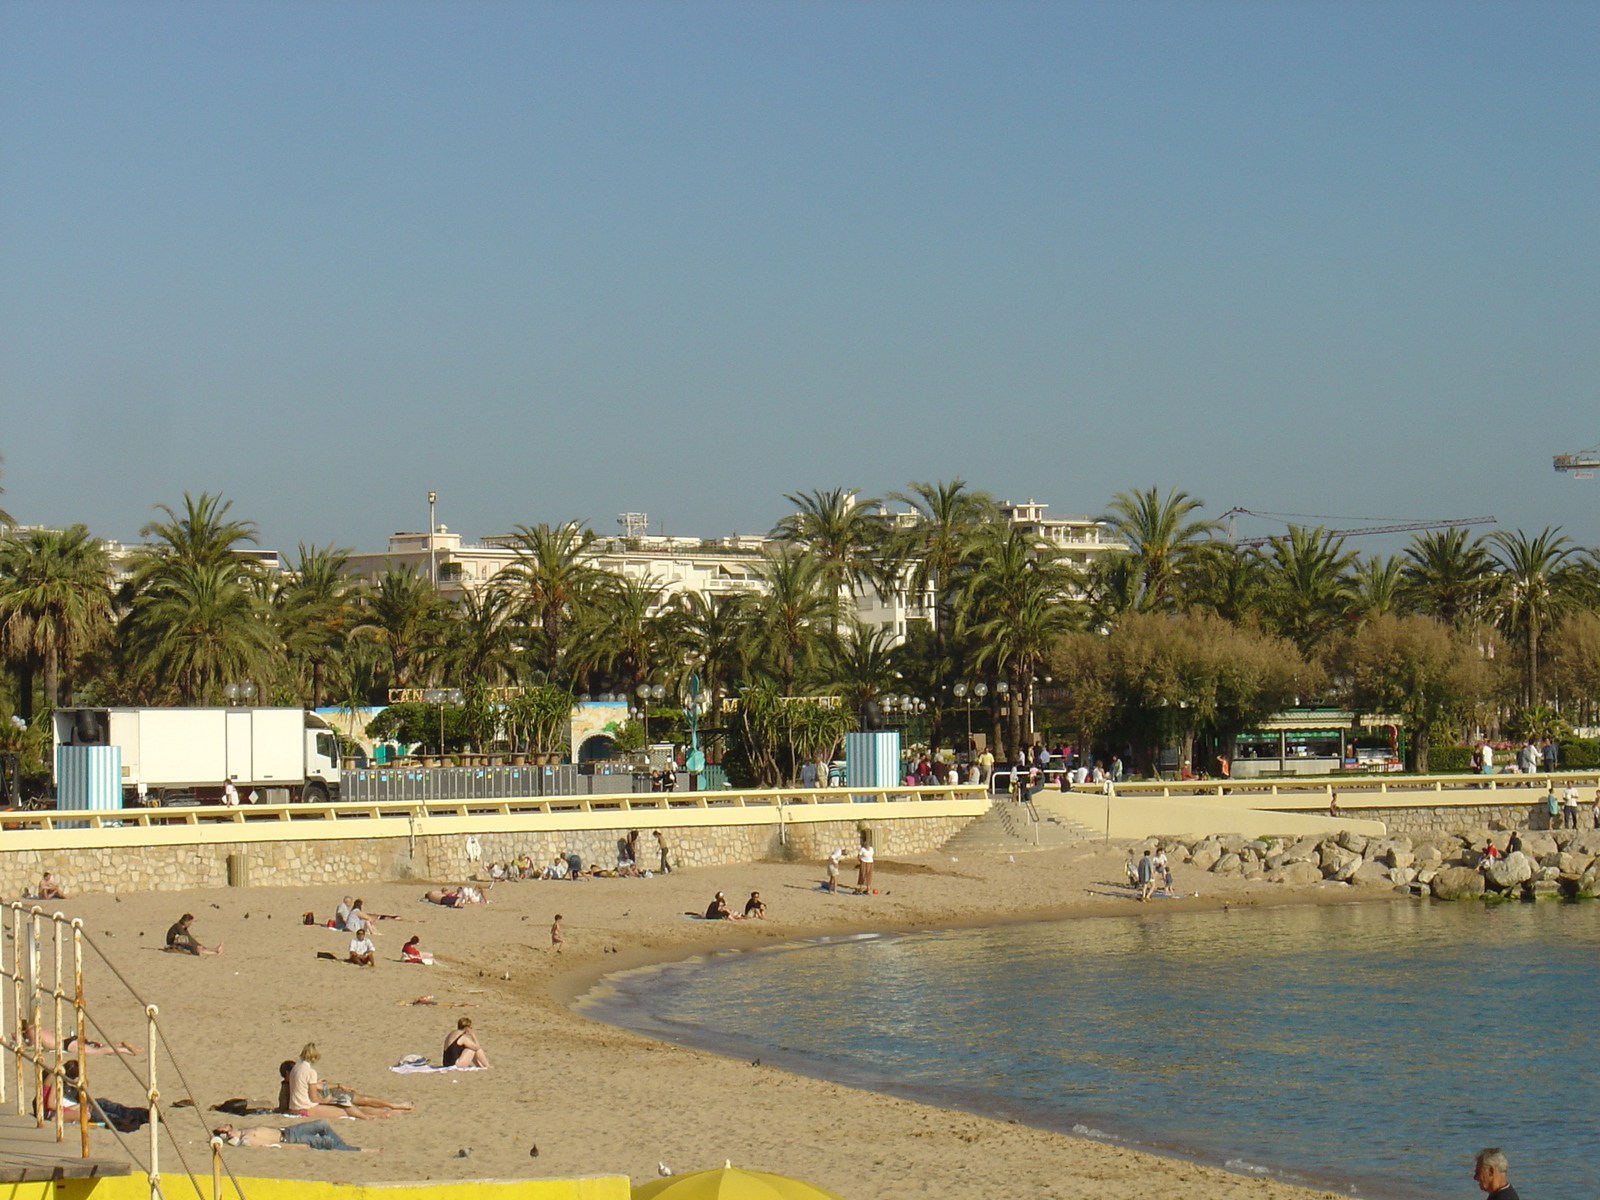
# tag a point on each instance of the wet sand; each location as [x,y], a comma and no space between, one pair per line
[595,1099]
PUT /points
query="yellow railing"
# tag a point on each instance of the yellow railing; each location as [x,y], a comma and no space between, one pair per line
[1362,790]
[366,810]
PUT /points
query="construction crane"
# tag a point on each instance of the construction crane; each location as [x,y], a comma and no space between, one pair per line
[1392,525]
[1583,464]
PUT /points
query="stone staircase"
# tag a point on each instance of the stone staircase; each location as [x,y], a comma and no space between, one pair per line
[1012,828]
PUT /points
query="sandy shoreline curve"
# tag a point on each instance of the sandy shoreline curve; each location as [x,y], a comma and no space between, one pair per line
[596,1098]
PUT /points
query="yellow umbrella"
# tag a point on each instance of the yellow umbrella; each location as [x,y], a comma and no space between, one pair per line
[729,1182]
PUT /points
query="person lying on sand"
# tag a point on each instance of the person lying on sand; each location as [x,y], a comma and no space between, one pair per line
[37,1035]
[456,897]
[461,1048]
[121,1117]
[181,941]
[308,1096]
[314,1135]
[411,952]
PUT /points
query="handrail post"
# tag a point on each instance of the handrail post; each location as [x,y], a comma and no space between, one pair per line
[77,1007]
[16,992]
[35,1016]
[60,1089]
[153,1098]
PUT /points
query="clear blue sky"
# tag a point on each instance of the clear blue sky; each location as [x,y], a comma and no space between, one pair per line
[564,260]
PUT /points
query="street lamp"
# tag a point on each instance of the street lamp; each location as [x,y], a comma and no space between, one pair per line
[646,693]
[441,697]
[433,561]
[239,693]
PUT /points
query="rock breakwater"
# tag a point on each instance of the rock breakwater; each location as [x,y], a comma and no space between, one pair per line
[1457,865]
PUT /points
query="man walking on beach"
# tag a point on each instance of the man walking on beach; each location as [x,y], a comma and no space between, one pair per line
[666,864]
[1489,1169]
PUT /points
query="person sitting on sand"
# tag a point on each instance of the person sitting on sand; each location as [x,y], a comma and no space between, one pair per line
[123,1118]
[314,1135]
[308,1096]
[181,941]
[35,1035]
[717,910]
[411,952]
[461,1048]
[362,952]
[49,889]
[341,915]
[755,907]
[557,868]
[357,919]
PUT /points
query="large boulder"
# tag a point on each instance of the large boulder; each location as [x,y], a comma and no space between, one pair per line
[1589,882]
[1400,859]
[1346,873]
[1457,883]
[1352,841]
[1587,842]
[1574,864]
[1232,843]
[1206,855]
[1428,855]
[1511,871]
[1334,859]
[1371,874]
[1300,874]
[1539,845]
[1228,864]
[1305,850]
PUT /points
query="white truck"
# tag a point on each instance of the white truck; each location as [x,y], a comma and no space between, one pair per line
[190,755]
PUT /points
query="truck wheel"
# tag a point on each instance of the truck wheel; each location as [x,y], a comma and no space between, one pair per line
[315,793]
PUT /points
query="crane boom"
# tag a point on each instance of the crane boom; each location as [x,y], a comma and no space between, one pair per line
[1394,527]
[1581,463]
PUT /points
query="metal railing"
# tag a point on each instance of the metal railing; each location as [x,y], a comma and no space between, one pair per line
[1361,789]
[352,811]
[25,1042]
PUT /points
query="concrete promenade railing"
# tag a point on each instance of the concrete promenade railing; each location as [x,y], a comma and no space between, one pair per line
[312,822]
[1364,791]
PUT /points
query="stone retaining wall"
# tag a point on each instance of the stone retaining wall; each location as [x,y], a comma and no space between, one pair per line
[445,857]
[1450,818]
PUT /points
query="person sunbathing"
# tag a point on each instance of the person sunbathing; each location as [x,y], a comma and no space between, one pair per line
[461,1048]
[49,889]
[35,1035]
[456,897]
[123,1118]
[308,1096]
[314,1135]
[411,952]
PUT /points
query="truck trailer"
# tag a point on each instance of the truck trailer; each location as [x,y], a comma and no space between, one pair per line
[155,756]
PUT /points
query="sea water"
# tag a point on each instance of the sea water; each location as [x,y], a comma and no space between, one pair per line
[1368,1048]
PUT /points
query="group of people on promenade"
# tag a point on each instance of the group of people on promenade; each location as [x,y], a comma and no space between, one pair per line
[1565,811]
[1529,758]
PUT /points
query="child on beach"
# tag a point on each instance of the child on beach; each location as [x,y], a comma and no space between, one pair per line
[556,938]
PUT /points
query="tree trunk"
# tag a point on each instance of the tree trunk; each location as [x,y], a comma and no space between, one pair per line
[1419,750]
[52,678]
[1014,703]
[25,689]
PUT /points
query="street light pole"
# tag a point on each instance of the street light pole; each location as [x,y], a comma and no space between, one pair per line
[433,559]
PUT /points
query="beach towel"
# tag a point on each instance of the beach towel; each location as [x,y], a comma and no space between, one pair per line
[415,1064]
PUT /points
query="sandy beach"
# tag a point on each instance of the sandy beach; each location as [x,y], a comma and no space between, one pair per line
[592,1098]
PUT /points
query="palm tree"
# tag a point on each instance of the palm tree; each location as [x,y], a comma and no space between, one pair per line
[200,536]
[717,638]
[479,637]
[5,517]
[316,608]
[1220,578]
[196,626]
[405,616]
[947,519]
[794,619]
[1018,607]
[1537,587]
[1309,589]
[864,664]
[1447,577]
[1378,583]
[625,634]
[55,603]
[1161,539]
[839,531]
[553,576]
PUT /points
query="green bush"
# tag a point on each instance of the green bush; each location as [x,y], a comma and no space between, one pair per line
[1580,754]
[1449,760]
